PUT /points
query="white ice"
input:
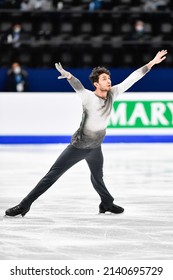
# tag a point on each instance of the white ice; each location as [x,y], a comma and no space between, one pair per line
[64,222]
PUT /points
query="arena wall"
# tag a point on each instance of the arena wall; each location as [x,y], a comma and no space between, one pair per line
[52,118]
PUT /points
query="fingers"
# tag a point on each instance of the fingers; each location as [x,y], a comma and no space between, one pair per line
[61,70]
[161,55]
[58,66]
[163,52]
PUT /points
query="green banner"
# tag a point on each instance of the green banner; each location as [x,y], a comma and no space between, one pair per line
[142,114]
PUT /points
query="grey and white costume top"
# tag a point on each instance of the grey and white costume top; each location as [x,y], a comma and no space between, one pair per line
[97,111]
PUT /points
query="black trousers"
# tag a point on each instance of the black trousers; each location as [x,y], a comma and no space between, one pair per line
[67,159]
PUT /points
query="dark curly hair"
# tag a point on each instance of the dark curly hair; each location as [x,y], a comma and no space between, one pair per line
[96,72]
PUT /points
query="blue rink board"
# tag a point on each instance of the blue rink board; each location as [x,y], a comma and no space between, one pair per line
[45,139]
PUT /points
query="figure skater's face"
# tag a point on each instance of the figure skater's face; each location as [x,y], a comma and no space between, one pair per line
[104,82]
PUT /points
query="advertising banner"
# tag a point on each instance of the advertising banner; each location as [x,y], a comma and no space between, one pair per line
[53,118]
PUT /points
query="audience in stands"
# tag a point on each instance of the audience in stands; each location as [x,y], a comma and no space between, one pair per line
[139,31]
[95,5]
[50,28]
[155,5]
[17,79]
[37,5]
[15,35]
[92,5]
[59,5]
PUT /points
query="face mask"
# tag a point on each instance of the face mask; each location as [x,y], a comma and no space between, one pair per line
[139,28]
[17,29]
[17,70]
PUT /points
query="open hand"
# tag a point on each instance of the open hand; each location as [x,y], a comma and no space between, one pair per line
[64,73]
[160,56]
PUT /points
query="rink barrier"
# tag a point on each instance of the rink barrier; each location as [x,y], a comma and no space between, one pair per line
[66,139]
[47,118]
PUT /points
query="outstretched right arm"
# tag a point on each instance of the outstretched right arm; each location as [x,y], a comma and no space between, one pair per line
[139,73]
[74,82]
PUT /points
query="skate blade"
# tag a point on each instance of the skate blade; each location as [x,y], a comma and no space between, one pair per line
[13,217]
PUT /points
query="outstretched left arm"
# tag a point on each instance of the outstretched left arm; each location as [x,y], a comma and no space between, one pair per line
[138,74]
[160,56]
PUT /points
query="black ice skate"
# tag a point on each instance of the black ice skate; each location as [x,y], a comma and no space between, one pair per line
[115,209]
[16,210]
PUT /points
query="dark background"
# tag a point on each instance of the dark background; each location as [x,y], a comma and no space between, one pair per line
[81,39]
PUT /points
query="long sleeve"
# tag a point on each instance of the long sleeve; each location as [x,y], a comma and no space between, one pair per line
[130,80]
[76,84]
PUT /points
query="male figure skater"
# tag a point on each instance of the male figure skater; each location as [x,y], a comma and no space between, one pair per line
[86,141]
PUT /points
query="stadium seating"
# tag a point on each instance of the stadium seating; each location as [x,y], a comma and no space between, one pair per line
[81,38]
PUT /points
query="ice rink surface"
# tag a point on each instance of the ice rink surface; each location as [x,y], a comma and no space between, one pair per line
[64,222]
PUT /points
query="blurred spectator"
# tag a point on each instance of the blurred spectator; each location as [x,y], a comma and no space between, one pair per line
[17,79]
[60,5]
[45,5]
[154,5]
[57,5]
[14,35]
[139,31]
[25,5]
[95,5]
